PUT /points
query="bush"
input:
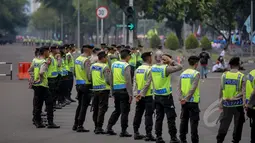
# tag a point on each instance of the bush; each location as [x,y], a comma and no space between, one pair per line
[172,42]
[155,41]
[205,43]
[191,42]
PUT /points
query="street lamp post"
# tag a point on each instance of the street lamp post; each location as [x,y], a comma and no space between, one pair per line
[78,26]
[97,25]
[251,26]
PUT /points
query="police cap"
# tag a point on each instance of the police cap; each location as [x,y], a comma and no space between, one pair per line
[62,47]
[101,54]
[91,46]
[119,46]
[125,51]
[85,46]
[140,46]
[235,61]
[66,46]
[54,47]
[127,47]
[103,44]
[44,48]
[145,55]
[72,45]
[114,45]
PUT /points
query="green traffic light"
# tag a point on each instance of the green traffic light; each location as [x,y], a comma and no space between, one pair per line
[131,26]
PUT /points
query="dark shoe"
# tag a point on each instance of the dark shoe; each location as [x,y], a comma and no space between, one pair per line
[76,97]
[63,104]
[68,102]
[138,136]
[72,100]
[59,106]
[110,132]
[43,113]
[184,142]
[149,138]
[205,76]
[160,140]
[99,131]
[81,129]
[175,140]
[75,127]
[52,125]
[125,134]
[39,125]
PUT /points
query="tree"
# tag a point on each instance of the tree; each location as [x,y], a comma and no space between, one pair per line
[191,42]
[155,41]
[222,15]
[172,42]
[205,43]
[12,15]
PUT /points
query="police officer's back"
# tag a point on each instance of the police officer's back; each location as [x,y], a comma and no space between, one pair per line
[100,73]
[250,102]
[189,97]
[122,92]
[232,90]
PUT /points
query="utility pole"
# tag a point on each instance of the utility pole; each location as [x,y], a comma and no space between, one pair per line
[130,39]
[123,30]
[252,14]
[62,27]
[97,25]
[78,26]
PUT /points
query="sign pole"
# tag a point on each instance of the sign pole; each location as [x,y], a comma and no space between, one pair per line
[131,40]
[102,30]
[78,26]
[123,30]
[97,25]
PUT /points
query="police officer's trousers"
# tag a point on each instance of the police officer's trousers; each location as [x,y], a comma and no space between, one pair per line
[228,113]
[165,105]
[251,115]
[70,84]
[100,106]
[63,89]
[84,97]
[122,107]
[145,104]
[189,111]
[53,83]
[42,94]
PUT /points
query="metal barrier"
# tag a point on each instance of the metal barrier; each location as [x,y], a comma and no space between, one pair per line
[5,63]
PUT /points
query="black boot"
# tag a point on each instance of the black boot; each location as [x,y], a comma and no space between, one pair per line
[99,131]
[81,129]
[72,100]
[125,134]
[175,140]
[184,142]
[149,137]
[52,125]
[160,140]
[75,127]
[59,106]
[110,131]
[138,136]
[39,125]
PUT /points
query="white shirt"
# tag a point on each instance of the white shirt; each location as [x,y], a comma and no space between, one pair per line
[222,53]
[217,66]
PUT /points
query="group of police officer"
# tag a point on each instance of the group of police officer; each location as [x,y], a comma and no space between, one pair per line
[40,42]
[123,73]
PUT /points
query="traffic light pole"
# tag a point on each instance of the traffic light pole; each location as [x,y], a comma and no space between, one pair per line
[252,28]
[130,39]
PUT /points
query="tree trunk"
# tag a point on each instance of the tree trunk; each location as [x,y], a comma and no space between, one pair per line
[178,32]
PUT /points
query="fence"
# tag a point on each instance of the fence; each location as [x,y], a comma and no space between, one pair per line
[10,74]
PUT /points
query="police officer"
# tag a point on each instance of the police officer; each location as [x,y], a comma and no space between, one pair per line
[63,92]
[250,102]
[41,90]
[117,52]
[83,87]
[138,55]
[122,93]
[53,75]
[70,63]
[144,96]
[133,60]
[104,46]
[94,57]
[100,73]
[189,97]
[232,90]
[111,56]
[164,104]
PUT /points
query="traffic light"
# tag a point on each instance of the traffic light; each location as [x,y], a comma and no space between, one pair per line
[130,15]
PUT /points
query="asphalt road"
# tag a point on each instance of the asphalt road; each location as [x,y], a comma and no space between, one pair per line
[16,110]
